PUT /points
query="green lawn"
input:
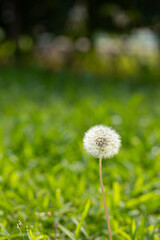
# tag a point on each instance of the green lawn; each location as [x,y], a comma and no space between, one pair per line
[48,183]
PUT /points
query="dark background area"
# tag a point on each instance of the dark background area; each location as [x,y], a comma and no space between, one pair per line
[76,18]
[112,35]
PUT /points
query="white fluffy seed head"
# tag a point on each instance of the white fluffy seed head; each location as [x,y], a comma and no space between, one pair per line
[102,141]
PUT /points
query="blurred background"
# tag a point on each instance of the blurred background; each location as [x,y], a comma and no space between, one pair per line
[99,36]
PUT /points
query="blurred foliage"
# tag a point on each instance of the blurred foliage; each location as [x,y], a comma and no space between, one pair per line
[68,33]
[125,55]
[76,17]
[48,180]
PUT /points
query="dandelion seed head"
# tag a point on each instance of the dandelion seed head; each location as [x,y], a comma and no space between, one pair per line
[102,140]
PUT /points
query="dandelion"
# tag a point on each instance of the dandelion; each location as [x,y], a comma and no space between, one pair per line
[102,142]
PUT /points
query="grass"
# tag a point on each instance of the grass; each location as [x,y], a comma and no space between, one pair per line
[49,186]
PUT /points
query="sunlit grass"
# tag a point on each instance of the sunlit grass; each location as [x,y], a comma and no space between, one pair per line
[47,179]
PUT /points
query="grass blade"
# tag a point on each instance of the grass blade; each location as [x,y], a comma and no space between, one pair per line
[84,214]
[66,232]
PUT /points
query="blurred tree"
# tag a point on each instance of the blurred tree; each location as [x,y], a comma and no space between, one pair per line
[59,16]
[33,16]
[123,15]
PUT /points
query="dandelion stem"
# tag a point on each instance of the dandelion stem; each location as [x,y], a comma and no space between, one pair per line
[104,200]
